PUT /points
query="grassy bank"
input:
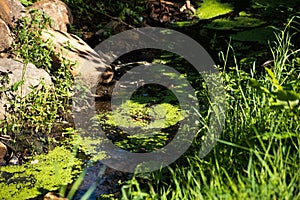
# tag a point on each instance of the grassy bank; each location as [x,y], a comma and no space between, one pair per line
[257,155]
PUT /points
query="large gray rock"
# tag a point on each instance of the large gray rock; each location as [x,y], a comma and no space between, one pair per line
[57,10]
[88,62]
[14,69]
[5,36]
[11,11]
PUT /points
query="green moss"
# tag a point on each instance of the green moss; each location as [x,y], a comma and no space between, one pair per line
[30,180]
[212,8]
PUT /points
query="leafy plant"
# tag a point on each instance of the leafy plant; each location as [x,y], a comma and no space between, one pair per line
[39,117]
[27,2]
[29,44]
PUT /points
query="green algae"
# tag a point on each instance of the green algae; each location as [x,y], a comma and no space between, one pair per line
[148,127]
[88,142]
[91,146]
[49,172]
[133,114]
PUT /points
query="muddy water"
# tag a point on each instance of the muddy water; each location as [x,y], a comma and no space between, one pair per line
[106,180]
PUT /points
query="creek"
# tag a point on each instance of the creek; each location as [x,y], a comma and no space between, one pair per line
[246,29]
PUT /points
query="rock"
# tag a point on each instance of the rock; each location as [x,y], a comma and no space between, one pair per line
[88,62]
[11,11]
[3,152]
[3,102]
[32,77]
[5,36]
[14,70]
[53,196]
[57,10]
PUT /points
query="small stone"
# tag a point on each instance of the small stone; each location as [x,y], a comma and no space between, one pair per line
[34,162]
[14,160]
[53,196]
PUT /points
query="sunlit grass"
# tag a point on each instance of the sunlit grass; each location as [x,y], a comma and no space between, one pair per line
[257,155]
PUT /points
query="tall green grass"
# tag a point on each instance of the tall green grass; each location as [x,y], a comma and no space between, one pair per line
[257,155]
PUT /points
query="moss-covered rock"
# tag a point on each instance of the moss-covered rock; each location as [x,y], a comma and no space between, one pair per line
[213,8]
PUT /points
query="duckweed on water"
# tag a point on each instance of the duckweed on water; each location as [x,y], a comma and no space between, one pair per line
[132,114]
[153,125]
[57,168]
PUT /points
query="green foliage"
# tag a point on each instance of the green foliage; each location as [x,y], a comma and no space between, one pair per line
[82,8]
[283,88]
[4,80]
[50,171]
[90,146]
[29,45]
[86,144]
[76,185]
[283,97]
[39,110]
[26,2]
[45,105]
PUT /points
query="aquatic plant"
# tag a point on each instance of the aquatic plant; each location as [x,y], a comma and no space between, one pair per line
[44,173]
